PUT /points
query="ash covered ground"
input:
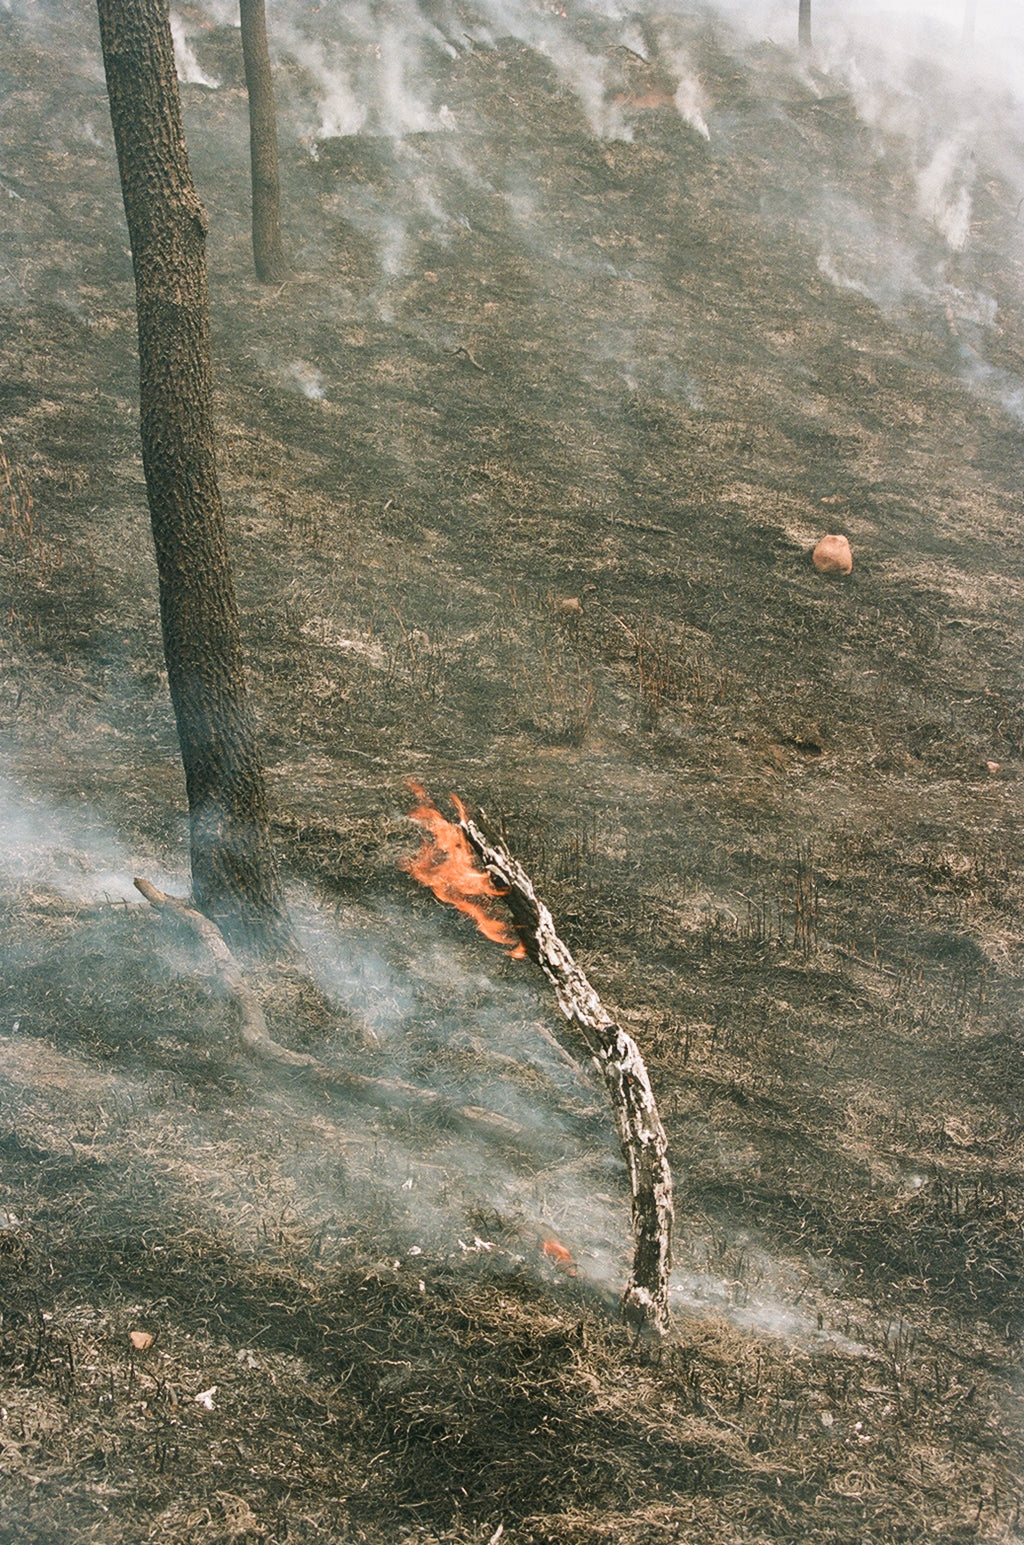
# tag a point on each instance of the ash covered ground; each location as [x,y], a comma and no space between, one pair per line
[598,320]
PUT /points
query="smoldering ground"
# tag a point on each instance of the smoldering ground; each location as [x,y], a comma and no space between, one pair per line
[199,1187]
[420,1009]
[597,322]
[894,224]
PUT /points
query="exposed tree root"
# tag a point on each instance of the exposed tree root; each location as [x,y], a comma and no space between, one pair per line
[260,1044]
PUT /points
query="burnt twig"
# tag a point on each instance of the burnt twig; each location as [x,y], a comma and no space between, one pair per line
[466,354]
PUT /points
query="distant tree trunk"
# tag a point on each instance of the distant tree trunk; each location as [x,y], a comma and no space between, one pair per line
[804,26]
[234,874]
[268,252]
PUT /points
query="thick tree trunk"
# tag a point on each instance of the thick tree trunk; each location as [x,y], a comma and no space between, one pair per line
[234,874]
[267,250]
[805,24]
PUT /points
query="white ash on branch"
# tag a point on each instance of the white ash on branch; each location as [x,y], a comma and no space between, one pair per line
[617,1058]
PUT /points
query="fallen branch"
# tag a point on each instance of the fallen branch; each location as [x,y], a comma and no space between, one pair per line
[257,1040]
[467,355]
[617,1058]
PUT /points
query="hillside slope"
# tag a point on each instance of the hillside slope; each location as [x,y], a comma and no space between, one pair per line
[596,326]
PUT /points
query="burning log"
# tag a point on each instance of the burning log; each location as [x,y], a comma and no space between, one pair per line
[442,864]
[257,1040]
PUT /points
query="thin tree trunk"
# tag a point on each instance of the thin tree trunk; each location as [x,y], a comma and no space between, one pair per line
[234,874]
[805,25]
[267,249]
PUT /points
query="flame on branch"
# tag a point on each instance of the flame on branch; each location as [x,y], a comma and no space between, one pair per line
[447,865]
[450,864]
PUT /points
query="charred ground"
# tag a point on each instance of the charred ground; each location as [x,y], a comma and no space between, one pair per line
[522,499]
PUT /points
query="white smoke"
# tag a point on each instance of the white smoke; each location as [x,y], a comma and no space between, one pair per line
[691,103]
[441,1015]
[66,848]
[400,109]
[301,374]
[944,194]
[339,111]
[368,77]
[189,69]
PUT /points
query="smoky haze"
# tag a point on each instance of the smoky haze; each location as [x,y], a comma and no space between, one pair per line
[382,158]
[422,1002]
[940,119]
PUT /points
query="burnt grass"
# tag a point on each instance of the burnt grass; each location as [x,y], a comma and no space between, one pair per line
[543,538]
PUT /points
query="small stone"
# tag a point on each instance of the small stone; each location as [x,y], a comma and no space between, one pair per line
[993,767]
[141,1340]
[832,555]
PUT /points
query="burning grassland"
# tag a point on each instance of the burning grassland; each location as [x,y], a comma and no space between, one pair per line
[387,1303]
[329,1381]
[524,469]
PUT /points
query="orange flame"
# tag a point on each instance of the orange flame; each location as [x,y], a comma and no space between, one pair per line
[447,865]
[562,1258]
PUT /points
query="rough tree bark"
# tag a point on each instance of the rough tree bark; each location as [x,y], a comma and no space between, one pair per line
[234,873]
[618,1060]
[267,249]
[804,25]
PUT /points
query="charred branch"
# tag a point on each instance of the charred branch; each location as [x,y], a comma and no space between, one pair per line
[618,1060]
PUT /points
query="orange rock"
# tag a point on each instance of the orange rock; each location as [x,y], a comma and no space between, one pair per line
[833,556]
[141,1340]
